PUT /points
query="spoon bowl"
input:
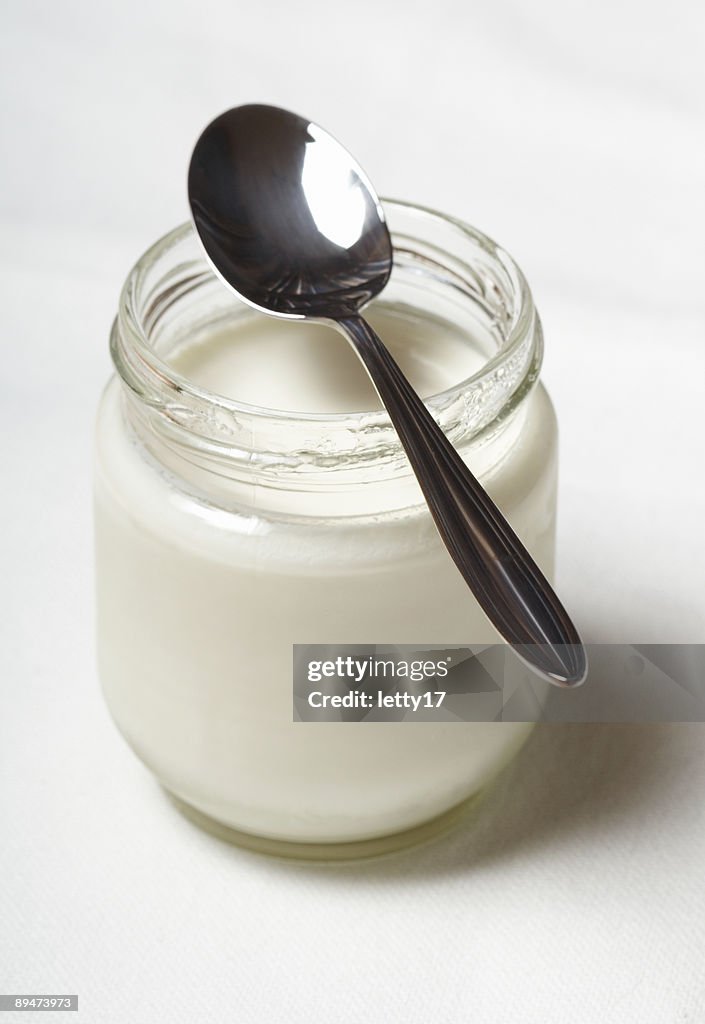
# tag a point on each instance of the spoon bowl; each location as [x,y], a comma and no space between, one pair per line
[285,215]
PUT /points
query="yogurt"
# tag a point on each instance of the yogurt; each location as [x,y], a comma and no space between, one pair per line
[215,557]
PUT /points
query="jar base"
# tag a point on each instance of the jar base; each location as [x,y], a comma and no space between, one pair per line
[324,852]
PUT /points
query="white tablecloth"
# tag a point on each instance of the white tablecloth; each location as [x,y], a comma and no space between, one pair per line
[573,134]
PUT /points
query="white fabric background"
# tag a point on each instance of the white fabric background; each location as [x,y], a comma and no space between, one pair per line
[571,132]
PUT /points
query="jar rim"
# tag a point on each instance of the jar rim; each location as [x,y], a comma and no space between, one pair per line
[192,407]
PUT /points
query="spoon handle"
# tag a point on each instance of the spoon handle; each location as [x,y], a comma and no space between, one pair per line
[512,590]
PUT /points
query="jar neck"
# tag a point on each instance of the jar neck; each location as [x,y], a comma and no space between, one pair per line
[232,452]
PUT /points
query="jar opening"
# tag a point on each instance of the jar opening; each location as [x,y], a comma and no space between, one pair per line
[442,268]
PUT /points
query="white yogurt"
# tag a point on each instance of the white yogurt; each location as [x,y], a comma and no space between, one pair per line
[200,597]
[303,367]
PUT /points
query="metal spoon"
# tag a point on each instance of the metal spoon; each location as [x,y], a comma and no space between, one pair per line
[291,223]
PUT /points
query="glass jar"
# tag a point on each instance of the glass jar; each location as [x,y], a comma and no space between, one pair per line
[226,533]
